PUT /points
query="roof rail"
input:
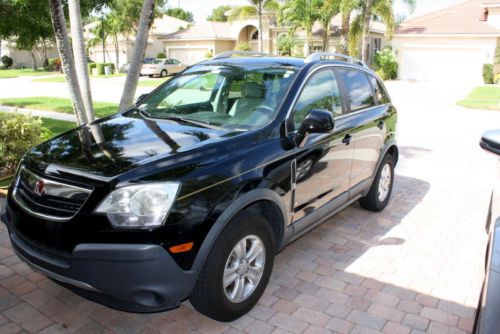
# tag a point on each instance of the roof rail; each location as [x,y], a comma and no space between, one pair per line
[229,54]
[329,56]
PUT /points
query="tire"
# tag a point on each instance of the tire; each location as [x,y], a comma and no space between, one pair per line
[374,201]
[209,296]
[163,73]
[150,75]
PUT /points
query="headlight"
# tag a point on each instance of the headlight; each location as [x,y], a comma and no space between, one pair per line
[145,205]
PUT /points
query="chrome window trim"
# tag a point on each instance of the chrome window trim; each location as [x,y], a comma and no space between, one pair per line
[331,66]
[30,211]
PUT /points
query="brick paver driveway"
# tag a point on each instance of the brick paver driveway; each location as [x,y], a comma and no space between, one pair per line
[415,267]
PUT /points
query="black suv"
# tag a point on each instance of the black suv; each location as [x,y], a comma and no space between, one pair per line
[191,192]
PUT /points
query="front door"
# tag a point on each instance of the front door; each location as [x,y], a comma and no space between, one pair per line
[323,161]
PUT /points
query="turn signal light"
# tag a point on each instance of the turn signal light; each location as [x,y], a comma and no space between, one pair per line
[185,247]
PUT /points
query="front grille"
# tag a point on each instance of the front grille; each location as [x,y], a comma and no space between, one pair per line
[47,198]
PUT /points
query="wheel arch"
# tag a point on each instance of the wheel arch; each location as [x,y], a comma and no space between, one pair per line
[265,202]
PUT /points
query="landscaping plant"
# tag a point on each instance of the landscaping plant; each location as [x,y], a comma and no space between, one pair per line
[7,62]
[161,55]
[387,64]
[18,134]
[243,47]
[488,75]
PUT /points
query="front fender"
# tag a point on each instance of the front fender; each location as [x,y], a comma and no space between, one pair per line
[229,213]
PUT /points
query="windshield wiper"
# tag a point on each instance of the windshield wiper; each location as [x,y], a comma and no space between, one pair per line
[191,121]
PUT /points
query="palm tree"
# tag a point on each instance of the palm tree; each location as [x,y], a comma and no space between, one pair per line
[346,7]
[141,40]
[82,74]
[68,64]
[329,9]
[301,14]
[361,24]
[256,8]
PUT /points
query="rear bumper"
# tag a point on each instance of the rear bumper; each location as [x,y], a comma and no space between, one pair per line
[129,277]
[149,72]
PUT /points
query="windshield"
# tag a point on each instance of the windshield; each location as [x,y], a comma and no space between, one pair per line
[233,97]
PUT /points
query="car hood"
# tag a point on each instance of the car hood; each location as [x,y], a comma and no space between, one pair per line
[118,144]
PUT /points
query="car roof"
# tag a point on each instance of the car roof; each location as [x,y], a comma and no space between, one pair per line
[276,61]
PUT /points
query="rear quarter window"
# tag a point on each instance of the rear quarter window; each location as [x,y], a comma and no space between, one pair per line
[358,89]
[380,93]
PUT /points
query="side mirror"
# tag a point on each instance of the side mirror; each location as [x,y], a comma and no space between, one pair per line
[490,141]
[317,121]
[140,98]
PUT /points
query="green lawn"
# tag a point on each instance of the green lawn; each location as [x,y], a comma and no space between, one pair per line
[57,104]
[61,78]
[483,97]
[5,74]
[151,82]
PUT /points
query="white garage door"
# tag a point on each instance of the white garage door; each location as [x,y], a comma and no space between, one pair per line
[440,64]
[187,55]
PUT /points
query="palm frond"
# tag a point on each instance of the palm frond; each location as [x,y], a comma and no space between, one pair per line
[355,36]
[383,8]
[242,13]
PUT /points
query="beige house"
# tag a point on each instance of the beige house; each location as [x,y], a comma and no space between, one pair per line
[24,58]
[191,45]
[450,44]
[160,27]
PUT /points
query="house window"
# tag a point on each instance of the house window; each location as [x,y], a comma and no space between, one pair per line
[485,15]
[317,48]
[377,45]
[255,35]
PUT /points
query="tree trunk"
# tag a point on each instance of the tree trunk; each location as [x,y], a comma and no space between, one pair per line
[33,58]
[344,37]
[307,50]
[82,73]
[117,53]
[326,36]
[141,41]
[260,25]
[366,31]
[66,55]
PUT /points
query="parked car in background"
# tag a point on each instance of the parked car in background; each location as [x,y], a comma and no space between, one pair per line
[192,191]
[488,312]
[162,67]
[124,68]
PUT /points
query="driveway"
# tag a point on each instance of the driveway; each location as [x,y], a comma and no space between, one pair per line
[415,267]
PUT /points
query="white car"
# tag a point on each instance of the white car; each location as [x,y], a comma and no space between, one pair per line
[162,67]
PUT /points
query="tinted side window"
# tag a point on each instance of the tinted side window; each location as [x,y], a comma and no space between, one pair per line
[358,89]
[380,92]
[320,92]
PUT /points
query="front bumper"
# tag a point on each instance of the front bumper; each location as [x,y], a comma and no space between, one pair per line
[129,277]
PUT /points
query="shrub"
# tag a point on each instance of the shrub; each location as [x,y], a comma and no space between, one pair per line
[100,67]
[243,47]
[286,44]
[161,55]
[7,61]
[387,64]
[91,66]
[209,54]
[18,133]
[54,64]
[488,76]
[496,79]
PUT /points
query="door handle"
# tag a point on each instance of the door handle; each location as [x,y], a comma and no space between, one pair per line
[380,125]
[347,139]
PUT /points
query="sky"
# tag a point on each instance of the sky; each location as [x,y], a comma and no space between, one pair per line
[202,8]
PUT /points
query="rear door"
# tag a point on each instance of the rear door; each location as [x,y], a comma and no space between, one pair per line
[367,116]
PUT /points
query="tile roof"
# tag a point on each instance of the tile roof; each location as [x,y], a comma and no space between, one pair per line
[462,18]
[207,30]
